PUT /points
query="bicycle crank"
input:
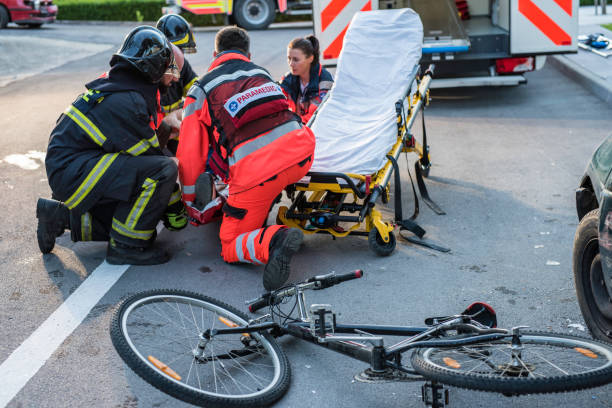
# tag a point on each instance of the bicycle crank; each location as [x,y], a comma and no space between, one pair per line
[386,375]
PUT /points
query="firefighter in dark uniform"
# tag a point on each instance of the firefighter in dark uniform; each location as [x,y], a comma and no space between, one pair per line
[177,30]
[104,160]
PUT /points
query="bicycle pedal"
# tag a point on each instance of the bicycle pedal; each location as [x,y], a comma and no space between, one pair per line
[434,394]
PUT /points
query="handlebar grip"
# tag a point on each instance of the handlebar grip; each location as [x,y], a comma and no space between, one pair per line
[336,279]
[258,304]
[358,273]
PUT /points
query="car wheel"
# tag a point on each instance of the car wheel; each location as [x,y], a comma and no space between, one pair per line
[254,14]
[4,17]
[593,298]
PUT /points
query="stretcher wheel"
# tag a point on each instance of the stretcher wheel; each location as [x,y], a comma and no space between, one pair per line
[379,246]
[424,168]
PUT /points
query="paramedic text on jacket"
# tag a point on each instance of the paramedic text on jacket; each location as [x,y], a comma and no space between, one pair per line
[239,113]
[104,159]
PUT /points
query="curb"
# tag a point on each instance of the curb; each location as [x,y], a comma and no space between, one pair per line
[584,77]
[273,26]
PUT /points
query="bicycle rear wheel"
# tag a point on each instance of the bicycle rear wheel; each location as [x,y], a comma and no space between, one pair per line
[159,335]
[546,363]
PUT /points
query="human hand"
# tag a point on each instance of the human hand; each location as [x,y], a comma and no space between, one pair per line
[174,119]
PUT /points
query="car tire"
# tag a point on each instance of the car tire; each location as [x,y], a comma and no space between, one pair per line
[593,298]
[254,14]
[4,17]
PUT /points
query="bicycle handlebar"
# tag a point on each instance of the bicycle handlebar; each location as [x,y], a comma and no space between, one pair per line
[316,283]
[326,281]
[263,301]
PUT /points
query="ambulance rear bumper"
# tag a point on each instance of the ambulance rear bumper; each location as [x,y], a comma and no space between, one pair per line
[502,80]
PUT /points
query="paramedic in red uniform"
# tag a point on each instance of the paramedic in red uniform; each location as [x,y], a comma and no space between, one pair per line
[307,82]
[238,113]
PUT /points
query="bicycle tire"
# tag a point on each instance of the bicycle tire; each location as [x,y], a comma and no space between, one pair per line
[149,313]
[460,370]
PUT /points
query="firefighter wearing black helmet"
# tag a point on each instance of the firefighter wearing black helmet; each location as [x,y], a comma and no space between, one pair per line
[104,161]
[177,30]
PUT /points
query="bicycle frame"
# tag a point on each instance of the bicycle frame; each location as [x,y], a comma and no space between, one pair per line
[313,330]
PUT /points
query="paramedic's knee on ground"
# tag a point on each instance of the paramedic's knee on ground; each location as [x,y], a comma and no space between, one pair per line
[243,237]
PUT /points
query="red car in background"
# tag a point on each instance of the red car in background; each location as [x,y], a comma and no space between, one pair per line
[32,13]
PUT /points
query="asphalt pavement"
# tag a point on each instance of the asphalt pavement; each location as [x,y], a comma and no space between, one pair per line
[506,162]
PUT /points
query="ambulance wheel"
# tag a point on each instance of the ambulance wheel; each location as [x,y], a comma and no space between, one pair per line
[254,14]
[380,247]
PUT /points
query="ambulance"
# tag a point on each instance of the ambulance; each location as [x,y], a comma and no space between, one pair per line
[473,42]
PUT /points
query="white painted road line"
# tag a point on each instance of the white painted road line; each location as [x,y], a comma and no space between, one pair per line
[33,353]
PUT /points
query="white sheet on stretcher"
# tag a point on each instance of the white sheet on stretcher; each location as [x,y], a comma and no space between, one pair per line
[356,126]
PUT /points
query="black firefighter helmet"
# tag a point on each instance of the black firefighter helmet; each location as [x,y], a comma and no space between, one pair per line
[177,30]
[148,50]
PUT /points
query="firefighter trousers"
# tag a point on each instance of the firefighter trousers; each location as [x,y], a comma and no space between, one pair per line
[132,205]
[243,237]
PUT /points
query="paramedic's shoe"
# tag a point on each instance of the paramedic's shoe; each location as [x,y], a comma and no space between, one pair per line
[121,254]
[53,218]
[283,245]
[203,190]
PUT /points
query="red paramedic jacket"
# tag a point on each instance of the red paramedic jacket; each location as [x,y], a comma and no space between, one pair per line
[266,154]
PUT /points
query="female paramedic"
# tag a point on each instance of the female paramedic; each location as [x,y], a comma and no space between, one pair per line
[307,82]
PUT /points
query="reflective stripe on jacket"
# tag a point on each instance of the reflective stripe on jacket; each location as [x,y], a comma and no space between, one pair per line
[242,115]
[92,140]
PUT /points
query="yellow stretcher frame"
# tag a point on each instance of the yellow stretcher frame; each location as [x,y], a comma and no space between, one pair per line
[305,208]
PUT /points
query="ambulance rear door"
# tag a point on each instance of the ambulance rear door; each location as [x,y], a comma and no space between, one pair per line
[543,26]
[331,20]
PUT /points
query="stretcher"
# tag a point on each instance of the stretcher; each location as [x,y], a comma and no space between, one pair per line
[361,128]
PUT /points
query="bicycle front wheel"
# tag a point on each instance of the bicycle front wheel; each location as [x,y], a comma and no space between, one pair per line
[159,334]
[541,363]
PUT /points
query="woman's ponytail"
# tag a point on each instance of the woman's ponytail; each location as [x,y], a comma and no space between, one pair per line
[308,45]
[315,48]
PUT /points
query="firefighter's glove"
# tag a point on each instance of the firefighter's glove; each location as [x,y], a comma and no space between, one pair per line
[175,221]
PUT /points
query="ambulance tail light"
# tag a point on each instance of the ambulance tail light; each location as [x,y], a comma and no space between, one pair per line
[514,65]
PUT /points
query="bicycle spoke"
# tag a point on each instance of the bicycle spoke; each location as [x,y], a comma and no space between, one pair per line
[214,370]
[189,373]
[194,319]
[234,380]
[245,370]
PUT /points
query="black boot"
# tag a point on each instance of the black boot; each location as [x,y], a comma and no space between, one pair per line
[203,190]
[121,254]
[53,218]
[283,245]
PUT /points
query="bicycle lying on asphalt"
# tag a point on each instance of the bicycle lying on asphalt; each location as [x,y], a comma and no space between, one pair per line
[205,352]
